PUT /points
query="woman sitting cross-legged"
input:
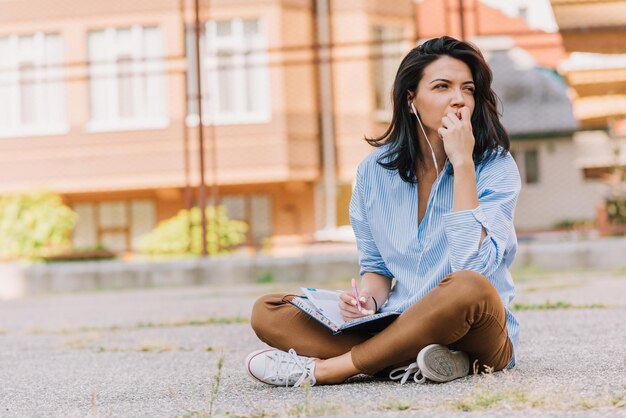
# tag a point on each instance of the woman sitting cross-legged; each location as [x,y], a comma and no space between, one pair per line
[432,211]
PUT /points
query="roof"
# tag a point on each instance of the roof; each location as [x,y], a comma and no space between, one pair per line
[437,18]
[589,14]
[534,99]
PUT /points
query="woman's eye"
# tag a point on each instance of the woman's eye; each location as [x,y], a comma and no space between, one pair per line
[440,86]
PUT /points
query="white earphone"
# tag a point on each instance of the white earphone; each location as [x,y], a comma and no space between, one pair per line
[432,151]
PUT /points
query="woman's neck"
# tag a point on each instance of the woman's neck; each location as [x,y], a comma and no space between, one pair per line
[428,164]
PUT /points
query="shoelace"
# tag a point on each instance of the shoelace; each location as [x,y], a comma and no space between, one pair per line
[403,374]
[294,366]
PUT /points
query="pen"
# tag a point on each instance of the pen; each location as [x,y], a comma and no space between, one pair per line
[356,295]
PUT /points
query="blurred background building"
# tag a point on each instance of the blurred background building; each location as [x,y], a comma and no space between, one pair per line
[99,103]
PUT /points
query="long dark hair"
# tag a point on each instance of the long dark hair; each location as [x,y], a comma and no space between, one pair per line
[404,152]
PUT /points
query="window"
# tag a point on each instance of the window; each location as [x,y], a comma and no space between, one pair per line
[527,161]
[522,12]
[387,51]
[118,225]
[531,166]
[235,76]
[127,79]
[255,210]
[32,85]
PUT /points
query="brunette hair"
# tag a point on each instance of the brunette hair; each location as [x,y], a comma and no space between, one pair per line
[404,153]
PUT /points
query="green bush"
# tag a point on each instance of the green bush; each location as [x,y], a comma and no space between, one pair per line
[574,224]
[172,236]
[616,210]
[34,225]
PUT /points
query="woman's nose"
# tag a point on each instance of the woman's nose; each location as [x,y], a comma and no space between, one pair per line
[457,98]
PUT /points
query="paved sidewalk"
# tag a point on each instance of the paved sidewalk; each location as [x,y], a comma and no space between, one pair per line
[154,353]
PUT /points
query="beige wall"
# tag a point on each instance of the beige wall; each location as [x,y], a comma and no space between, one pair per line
[561,193]
[353,81]
[81,160]
[279,158]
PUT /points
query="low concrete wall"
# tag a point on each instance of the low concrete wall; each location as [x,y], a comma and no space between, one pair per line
[605,253]
[18,280]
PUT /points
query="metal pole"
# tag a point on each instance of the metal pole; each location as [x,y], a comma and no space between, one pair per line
[187,197]
[326,114]
[416,28]
[462,20]
[186,163]
[202,187]
[211,138]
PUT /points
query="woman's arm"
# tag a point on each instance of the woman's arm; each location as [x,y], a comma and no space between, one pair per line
[465,194]
[377,286]
[479,227]
[498,184]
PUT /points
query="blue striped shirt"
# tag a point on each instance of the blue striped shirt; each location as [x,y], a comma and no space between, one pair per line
[383,214]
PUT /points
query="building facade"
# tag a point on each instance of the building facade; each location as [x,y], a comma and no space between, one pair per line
[100,105]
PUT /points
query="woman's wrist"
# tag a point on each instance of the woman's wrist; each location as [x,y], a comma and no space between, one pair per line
[463,164]
[375,305]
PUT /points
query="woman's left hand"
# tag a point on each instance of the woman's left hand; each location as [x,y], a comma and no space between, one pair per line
[458,138]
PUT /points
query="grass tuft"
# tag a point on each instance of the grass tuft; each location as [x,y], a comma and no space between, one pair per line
[397,406]
[479,400]
[215,383]
[227,320]
[548,305]
[265,278]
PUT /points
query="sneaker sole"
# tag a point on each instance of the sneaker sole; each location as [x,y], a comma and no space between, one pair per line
[440,364]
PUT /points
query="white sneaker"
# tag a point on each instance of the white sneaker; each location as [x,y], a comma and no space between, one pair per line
[276,367]
[440,364]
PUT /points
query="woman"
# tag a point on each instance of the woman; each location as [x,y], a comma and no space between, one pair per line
[433,209]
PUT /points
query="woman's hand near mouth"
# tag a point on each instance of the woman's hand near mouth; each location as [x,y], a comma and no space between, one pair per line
[458,139]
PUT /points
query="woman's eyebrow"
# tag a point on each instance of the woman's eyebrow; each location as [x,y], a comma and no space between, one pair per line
[448,81]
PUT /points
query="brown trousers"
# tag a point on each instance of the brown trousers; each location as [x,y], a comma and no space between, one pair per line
[464,312]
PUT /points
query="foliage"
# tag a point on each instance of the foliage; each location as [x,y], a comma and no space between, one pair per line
[182,234]
[34,225]
[574,224]
[90,253]
[616,210]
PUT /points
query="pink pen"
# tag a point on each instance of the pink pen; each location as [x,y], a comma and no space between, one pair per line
[356,295]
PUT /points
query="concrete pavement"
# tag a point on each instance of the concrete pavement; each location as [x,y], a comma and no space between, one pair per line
[154,353]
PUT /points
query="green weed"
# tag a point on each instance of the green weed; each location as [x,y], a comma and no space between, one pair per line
[114,328]
[195,322]
[548,305]
[215,383]
[397,406]
[265,278]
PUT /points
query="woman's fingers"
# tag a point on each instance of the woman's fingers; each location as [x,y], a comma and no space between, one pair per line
[466,116]
[450,120]
[348,306]
[442,132]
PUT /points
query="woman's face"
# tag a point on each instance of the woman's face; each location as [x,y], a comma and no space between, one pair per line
[446,86]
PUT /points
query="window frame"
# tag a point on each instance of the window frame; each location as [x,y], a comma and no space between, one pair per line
[387,51]
[48,85]
[211,45]
[145,68]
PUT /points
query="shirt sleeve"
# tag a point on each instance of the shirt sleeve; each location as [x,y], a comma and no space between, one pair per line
[498,186]
[370,259]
